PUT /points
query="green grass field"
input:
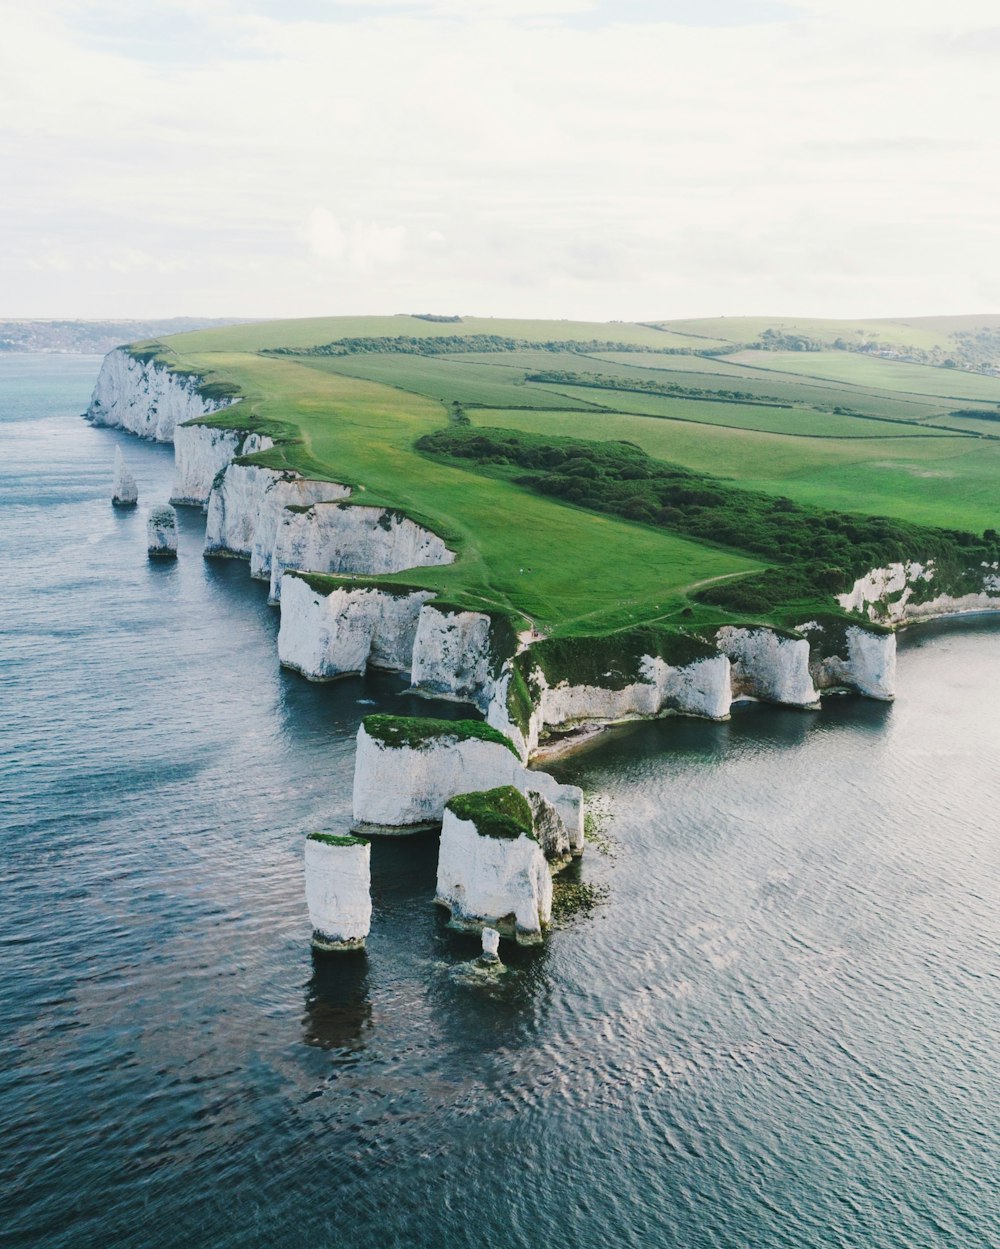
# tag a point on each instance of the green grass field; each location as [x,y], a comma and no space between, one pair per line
[355,418]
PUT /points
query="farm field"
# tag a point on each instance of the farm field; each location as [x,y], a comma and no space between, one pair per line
[354,413]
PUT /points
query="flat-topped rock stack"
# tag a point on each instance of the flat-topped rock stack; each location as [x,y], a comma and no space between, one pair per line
[161,532]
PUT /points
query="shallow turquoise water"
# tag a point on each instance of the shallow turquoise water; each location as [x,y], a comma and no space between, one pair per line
[779,1030]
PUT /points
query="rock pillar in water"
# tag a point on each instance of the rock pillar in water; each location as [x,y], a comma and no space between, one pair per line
[125,492]
[161,532]
[491,947]
[338,890]
[491,869]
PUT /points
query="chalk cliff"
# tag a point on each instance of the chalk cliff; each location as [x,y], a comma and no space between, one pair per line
[201,452]
[491,869]
[244,508]
[768,665]
[326,634]
[848,656]
[452,652]
[405,771]
[370,541]
[338,890]
[902,592]
[146,398]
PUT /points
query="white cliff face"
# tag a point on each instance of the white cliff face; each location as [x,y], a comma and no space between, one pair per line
[768,666]
[366,540]
[161,531]
[125,491]
[697,689]
[327,634]
[338,891]
[886,594]
[405,788]
[867,663]
[493,882]
[559,843]
[244,507]
[146,398]
[201,453]
[451,653]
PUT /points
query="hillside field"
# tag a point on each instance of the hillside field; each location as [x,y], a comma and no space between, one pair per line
[824,428]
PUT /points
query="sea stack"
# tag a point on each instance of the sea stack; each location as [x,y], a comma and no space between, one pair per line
[161,532]
[491,869]
[490,956]
[125,492]
[338,890]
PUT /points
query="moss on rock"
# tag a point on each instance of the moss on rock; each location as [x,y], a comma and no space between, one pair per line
[421,733]
[501,812]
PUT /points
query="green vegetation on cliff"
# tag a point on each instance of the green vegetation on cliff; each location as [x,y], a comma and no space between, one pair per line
[868,426]
[502,812]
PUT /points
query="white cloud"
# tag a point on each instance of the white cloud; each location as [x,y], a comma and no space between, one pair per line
[843,162]
[362,244]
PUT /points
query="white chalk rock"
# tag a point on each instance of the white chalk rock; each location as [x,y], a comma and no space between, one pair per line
[125,492]
[888,594]
[559,843]
[405,770]
[338,891]
[201,452]
[491,946]
[369,541]
[161,532]
[244,507]
[146,398]
[451,652]
[326,634]
[491,871]
[853,658]
[768,665]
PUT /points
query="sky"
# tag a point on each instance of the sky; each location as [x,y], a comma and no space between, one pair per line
[590,159]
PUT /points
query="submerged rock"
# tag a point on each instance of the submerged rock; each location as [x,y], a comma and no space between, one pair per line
[161,532]
[338,890]
[125,492]
[492,873]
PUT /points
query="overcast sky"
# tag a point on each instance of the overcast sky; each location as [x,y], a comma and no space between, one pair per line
[581,158]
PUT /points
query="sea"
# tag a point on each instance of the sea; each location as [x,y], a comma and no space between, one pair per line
[776,1025]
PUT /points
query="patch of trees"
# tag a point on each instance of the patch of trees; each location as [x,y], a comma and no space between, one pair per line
[819,553]
[782,340]
[672,390]
[448,344]
[433,316]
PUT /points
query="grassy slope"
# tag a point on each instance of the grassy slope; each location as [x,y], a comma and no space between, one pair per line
[568,569]
[577,567]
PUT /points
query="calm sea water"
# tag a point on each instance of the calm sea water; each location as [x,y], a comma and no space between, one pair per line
[780,1029]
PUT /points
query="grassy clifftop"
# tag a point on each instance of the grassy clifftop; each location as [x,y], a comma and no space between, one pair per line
[819,425]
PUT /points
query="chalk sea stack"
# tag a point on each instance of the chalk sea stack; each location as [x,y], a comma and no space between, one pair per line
[161,532]
[492,872]
[125,492]
[338,890]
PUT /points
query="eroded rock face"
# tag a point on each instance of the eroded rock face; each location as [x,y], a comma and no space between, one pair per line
[902,592]
[244,508]
[403,789]
[161,532]
[201,453]
[559,843]
[338,891]
[493,882]
[451,653]
[125,491]
[857,659]
[368,541]
[768,665]
[146,398]
[326,634]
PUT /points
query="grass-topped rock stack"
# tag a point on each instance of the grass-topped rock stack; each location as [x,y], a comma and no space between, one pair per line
[338,890]
[407,768]
[492,872]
